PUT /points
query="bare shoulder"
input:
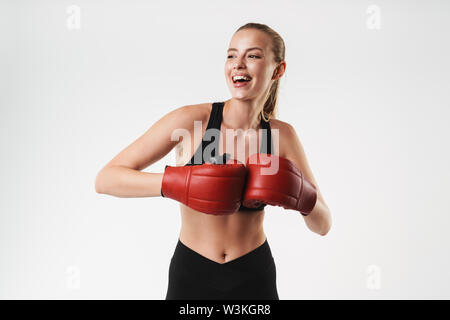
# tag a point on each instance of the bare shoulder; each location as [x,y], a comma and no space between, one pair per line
[293,149]
[280,125]
[288,137]
[285,135]
[190,113]
[184,117]
[161,137]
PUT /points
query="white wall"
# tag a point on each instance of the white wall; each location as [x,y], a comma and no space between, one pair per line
[371,107]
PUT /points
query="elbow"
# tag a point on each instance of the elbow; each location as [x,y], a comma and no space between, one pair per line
[324,232]
[327,226]
[98,190]
[98,185]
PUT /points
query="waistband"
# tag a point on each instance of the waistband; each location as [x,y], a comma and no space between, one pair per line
[256,261]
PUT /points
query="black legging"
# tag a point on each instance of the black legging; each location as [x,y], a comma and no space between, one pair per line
[193,276]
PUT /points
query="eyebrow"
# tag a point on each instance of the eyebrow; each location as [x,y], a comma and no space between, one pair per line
[249,49]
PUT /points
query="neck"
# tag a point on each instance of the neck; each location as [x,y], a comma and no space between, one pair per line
[242,114]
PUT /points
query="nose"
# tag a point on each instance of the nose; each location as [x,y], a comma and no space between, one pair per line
[239,63]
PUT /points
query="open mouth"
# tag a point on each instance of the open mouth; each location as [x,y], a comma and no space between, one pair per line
[237,79]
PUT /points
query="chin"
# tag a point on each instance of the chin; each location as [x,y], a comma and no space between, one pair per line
[235,92]
[240,96]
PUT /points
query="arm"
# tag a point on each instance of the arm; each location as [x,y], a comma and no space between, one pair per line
[122,176]
[319,220]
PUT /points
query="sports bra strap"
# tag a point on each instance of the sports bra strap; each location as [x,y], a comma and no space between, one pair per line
[215,119]
[215,122]
[266,139]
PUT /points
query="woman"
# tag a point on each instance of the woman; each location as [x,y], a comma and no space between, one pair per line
[222,256]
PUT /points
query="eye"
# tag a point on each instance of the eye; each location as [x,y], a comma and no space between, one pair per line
[252,55]
[229,56]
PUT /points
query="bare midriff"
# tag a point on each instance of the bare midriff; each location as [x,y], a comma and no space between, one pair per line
[222,238]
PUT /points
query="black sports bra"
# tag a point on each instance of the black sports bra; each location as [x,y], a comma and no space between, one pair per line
[215,121]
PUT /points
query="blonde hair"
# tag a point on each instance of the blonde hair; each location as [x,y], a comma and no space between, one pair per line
[278,48]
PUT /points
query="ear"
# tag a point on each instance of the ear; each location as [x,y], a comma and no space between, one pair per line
[275,72]
[279,70]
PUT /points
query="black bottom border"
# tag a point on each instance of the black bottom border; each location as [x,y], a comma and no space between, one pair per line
[222,309]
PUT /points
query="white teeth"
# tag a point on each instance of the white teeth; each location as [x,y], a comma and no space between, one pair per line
[235,78]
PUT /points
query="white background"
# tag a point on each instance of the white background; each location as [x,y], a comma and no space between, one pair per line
[371,107]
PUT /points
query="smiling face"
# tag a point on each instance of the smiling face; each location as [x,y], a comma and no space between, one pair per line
[249,55]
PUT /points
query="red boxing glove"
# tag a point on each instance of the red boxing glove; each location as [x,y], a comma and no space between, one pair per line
[287,188]
[210,188]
